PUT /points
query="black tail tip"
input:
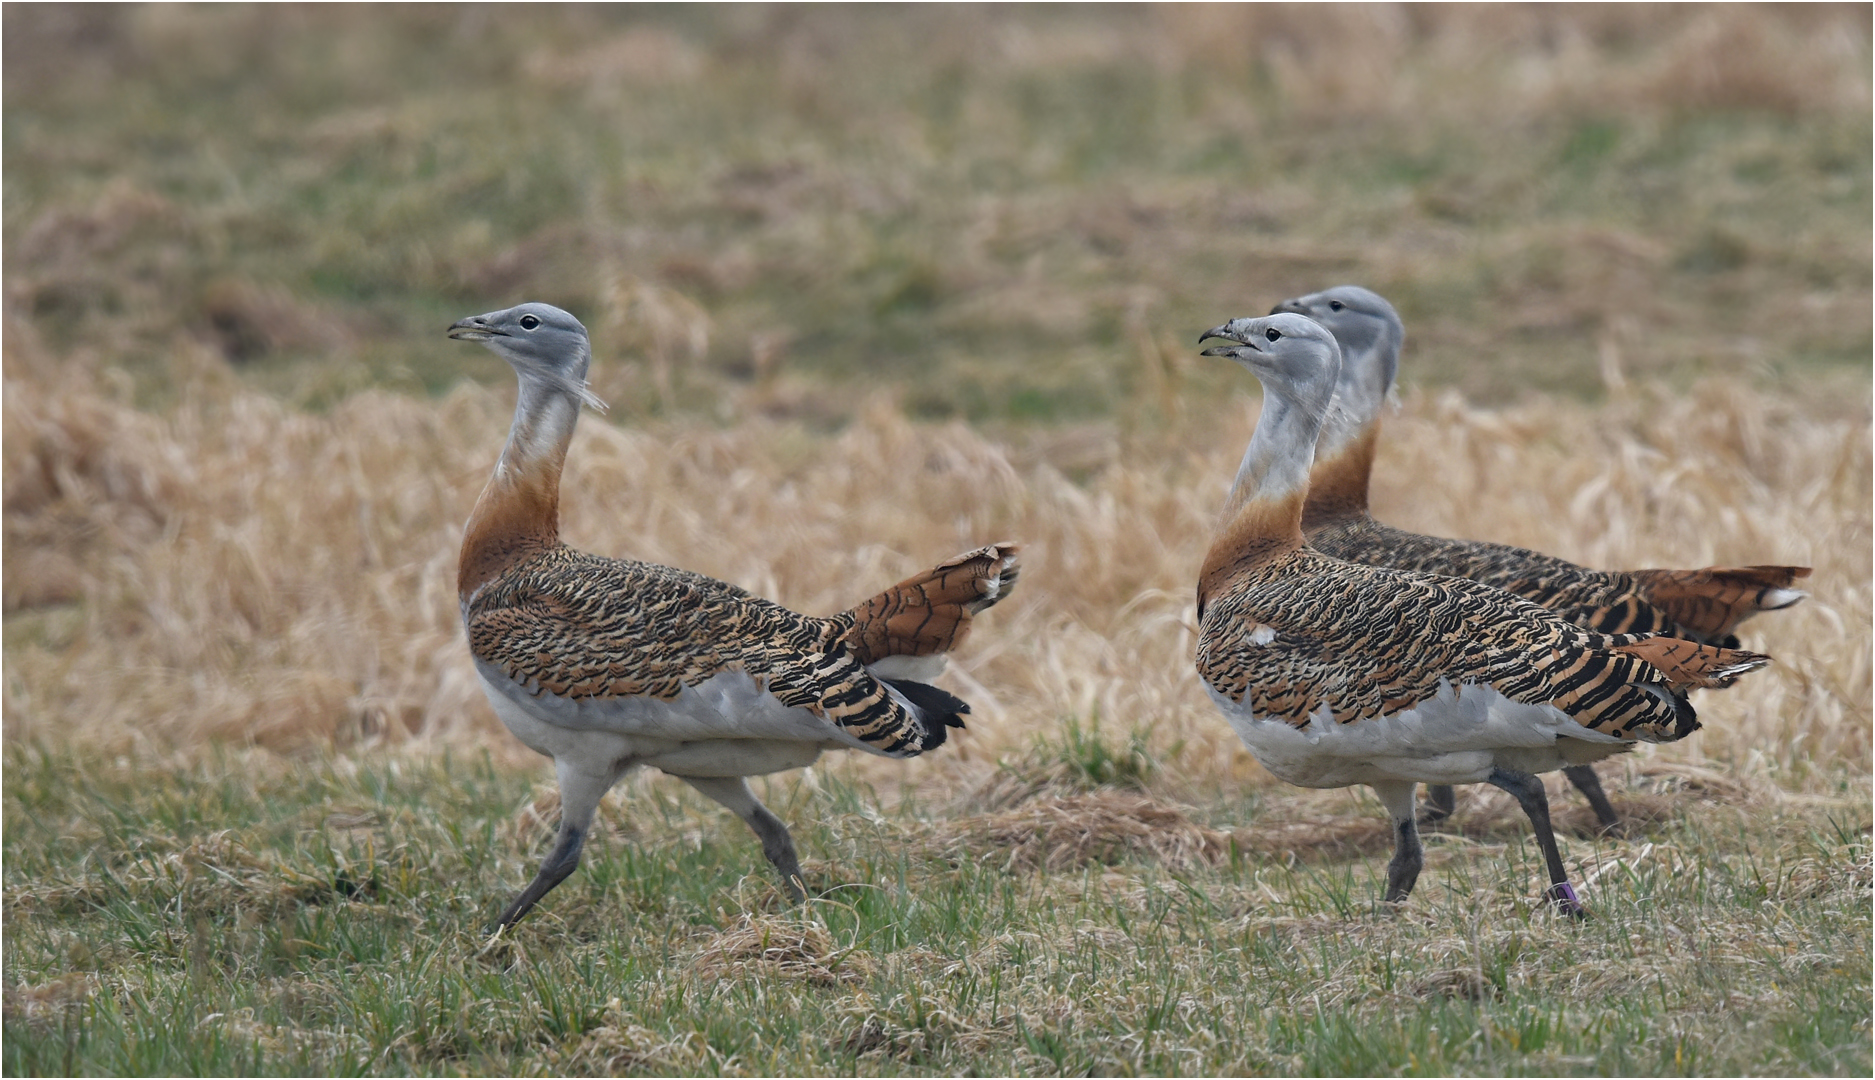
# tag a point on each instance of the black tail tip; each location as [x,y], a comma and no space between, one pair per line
[1685,719]
[940,710]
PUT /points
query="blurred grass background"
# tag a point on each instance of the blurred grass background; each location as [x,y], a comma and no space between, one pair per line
[870,286]
[1005,213]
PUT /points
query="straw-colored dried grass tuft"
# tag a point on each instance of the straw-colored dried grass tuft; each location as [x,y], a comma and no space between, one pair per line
[1062,833]
[1302,833]
[47,1003]
[236,570]
[1467,984]
[793,946]
[620,1046]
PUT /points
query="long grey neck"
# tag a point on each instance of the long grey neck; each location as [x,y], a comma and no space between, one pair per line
[544,417]
[1276,463]
[1360,394]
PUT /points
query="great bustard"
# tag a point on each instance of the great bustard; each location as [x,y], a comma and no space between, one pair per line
[1334,673]
[607,664]
[1703,605]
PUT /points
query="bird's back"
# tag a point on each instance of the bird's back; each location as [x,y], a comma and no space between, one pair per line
[1604,600]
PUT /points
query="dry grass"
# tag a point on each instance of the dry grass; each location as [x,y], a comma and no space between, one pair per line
[251,826]
[1065,833]
[786,946]
[235,570]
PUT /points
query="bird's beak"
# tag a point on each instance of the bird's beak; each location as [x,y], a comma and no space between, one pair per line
[474,328]
[1293,307]
[1230,331]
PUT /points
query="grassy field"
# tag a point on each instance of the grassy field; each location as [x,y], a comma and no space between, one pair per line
[869,288]
[328,921]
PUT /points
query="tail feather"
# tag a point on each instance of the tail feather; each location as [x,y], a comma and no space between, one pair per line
[938,710]
[929,614]
[1710,603]
[1688,666]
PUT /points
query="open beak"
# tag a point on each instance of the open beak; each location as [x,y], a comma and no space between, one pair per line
[473,328]
[1230,331]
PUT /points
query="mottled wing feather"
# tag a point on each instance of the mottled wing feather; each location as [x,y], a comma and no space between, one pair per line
[1305,631]
[930,613]
[1604,600]
[1712,601]
[585,627]
[1688,665]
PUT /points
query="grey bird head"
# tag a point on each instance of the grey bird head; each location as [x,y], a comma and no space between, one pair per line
[1370,334]
[1295,357]
[546,346]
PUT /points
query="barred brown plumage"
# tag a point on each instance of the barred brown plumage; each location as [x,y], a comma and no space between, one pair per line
[1703,605]
[1411,632]
[1335,673]
[1700,605]
[585,627]
[929,613]
[608,664]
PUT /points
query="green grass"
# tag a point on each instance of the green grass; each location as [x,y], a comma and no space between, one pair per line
[1015,216]
[247,917]
[907,209]
[1086,759]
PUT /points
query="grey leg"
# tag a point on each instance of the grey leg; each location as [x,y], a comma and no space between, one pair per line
[1528,791]
[1441,800]
[580,793]
[1585,780]
[733,792]
[1408,856]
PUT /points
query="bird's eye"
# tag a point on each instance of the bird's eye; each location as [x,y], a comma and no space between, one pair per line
[529,322]
[1335,305]
[1273,334]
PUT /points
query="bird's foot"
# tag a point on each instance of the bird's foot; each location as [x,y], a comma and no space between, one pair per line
[1563,895]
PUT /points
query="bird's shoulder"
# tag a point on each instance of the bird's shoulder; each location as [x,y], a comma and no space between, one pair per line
[586,625]
[1607,600]
[1318,595]
[577,581]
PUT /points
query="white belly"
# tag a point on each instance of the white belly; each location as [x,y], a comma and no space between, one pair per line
[724,726]
[1447,739]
